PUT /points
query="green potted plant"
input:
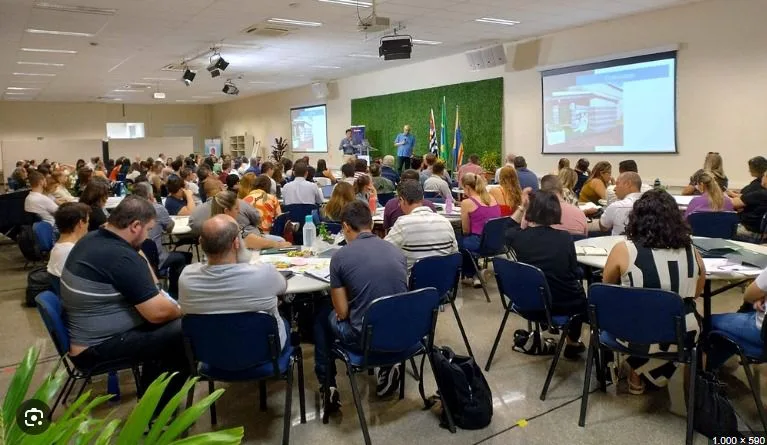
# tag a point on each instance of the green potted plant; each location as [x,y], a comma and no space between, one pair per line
[490,161]
[77,425]
[279,148]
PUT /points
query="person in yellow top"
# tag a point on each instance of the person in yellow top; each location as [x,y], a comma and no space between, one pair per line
[595,187]
[254,191]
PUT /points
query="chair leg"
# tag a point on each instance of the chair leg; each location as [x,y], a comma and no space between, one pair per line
[190,397]
[416,375]
[754,391]
[262,395]
[326,398]
[288,405]
[497,340]
[82,388]
[460,328]
[69,391]
[69,381]
[475,262]
[554,362]
[403,365]
[213,417]
[301,396]
[448,414]
[587,381]
[691,395]
[358,404]
[137,380]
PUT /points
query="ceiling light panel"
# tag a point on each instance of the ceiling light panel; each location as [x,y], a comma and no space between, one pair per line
[78,9]
[35,74]
[294,22]
[354,3]
[58,33]
[426,42]
[40,63]
[48,50]
[497,21]
[21,88]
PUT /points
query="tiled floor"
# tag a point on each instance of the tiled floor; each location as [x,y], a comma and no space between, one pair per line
[515,380]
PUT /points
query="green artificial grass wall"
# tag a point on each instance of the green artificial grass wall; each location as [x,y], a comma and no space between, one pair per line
[481,113]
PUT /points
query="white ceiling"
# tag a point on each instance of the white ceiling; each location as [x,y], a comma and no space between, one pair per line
[143,36]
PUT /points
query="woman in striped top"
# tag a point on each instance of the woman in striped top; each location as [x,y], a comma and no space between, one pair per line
[658,254]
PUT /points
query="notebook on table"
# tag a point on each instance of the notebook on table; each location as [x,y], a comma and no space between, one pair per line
[590,251]
[715,247]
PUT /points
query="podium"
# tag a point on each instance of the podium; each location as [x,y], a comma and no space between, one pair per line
[364,151]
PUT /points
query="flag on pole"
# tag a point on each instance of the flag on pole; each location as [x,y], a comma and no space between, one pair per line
[433,145]
[444,152]
[457,142]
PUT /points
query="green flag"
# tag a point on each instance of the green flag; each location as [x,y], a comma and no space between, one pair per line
[444,152]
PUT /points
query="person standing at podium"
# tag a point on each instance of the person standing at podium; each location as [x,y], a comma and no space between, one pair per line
[404,143]
[348,147]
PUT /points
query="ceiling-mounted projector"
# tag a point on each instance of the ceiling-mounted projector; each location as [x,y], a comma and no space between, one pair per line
[395,47]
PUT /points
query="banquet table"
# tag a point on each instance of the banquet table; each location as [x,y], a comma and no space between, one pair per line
[299,283]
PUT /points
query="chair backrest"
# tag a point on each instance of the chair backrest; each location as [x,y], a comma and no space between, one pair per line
[493,241]
[44,235]
[383,198]
[152,254]
[279,223]
[637,314]
[298,214]
[316,217]
[714,224]
[524,285]
[440,272]
[333,227]
[431,195]
[52,313]
[578,237]
[55,283]
[397,322]
[327,191]
[233,342]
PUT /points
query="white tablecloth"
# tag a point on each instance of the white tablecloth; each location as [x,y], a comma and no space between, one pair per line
[299,283]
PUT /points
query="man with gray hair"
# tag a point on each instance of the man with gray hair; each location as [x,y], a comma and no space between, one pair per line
[509,163]
[628,189]
[388,171]
[223,286]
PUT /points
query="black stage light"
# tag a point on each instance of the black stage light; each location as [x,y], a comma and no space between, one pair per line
[217,65]
[188,76]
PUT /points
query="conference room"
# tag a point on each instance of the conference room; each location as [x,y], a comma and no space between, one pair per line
[463,221]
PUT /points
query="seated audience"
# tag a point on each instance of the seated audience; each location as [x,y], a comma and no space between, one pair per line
[287,168]
[595,189]
[526,177]
[712,199]
[114,309]
[477,208]
[249,218]
[509,163]
[751,207]
[324,172]
[573,219]
[568,179]
[156,177]
[174,261]
[429,161]
[100,170]
[624,166]
[360,168]
[658,247]
[310,171]
[59,190]
[388,171]
[222,285]
[471,167]
[301,191]
[563,163]
[553,252]
[508,194]
[436,182]
[233,183]
[95,196]
[363,189]
[72,222]
[743,327]
[256,194]
[348,171]
[420,232]
[267,168]
[392,210]
[712,164]
[135,172]
[756,168]
[616,215]
[381,184]
[180,200]
[189,183]
[37,201]
[254,167]
[227,203]
[226,170]
[355,281]
[343,194]
[582,169]
[18,179]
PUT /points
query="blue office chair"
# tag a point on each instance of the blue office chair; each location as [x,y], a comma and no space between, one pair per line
[298,214]
[749,355]
[44,235]
[529,297]
[52,313]
[714,224]
[243,346]
[383,198]
[394,329]
[327,191]
[442,273]
[153,255]
[656,316]
[492,243]
[279,223]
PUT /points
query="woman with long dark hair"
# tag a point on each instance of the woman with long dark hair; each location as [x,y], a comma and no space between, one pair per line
[596,187]
[658,247]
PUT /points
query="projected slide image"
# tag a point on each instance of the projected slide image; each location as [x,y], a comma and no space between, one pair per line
[309,129]
[611,108]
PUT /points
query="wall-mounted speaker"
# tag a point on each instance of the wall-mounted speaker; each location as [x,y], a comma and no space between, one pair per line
[484,58]
[320,90]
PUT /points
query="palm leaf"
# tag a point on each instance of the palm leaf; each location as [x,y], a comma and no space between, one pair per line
[231,436]
[141,415]
[170,407]
[88,430]
[106,434]
[187,418]
[17,392]
[50,386]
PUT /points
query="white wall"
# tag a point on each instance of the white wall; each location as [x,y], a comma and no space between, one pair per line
[150,147]
[66,151]
[722,87]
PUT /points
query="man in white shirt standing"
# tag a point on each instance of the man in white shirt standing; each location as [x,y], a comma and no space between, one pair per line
[420,233]
[37,202]
[301,191]
[616,215]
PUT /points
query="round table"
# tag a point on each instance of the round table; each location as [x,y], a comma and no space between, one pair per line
[299,283]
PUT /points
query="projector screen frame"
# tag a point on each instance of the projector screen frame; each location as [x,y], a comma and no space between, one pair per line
[327,141]
[609,63]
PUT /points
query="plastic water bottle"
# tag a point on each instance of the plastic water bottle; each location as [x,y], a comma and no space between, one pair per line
[656,184]
[122,189]
[449,205]
[372,204]
[310,232]
[113,386]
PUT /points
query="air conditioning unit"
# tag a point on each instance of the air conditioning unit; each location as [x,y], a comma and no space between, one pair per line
[484,58]
[320,90]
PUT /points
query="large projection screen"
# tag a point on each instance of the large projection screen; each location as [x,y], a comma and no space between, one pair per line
[310,129]
[619,106]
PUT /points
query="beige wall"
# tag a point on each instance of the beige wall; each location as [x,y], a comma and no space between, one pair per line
[722,87]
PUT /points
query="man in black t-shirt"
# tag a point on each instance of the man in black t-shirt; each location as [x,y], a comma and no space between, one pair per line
[114,310]
[752,206]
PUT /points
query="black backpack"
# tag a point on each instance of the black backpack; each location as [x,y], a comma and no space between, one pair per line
[463,389]
[714,414]
[38,281]
[28,244]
